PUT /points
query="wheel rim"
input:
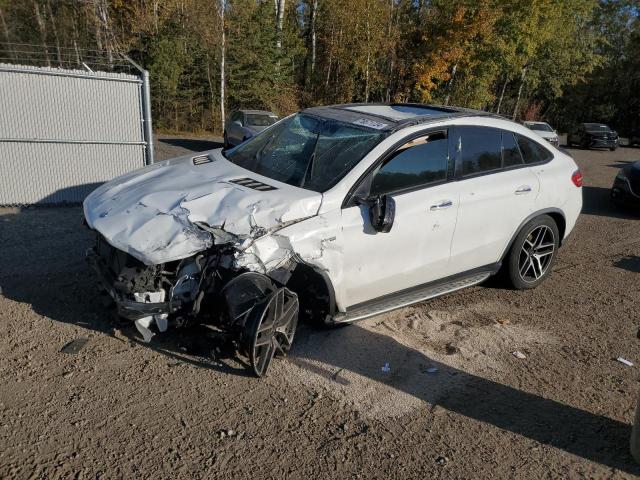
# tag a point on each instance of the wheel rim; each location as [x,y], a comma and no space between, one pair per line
[536,254]
[274,330]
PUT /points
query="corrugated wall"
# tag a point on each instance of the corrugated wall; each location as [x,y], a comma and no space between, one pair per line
[63,132]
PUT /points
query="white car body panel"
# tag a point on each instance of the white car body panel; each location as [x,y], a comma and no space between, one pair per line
[491,206]
[415,251]
[175,209]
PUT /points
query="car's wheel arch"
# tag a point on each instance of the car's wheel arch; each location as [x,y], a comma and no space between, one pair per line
[312,284]
[555,213]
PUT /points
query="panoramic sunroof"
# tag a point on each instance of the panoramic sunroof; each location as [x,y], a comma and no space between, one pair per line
[397,112]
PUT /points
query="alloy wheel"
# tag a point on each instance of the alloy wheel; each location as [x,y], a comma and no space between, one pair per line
[271,329]
[536,254]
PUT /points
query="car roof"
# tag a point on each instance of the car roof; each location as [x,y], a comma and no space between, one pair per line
[258,112]
[392,116]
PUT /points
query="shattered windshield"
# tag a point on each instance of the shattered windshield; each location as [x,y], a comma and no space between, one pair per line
[306,151]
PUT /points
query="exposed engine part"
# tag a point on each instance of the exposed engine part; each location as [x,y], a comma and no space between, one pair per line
[257,312]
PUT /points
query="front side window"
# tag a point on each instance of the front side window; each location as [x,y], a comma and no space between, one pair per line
[420,162]
[306,151]
[480,150]
[532,152]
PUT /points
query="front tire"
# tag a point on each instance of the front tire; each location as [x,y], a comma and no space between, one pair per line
[533,253]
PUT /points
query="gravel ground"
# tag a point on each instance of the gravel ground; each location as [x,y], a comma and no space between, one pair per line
[112,407]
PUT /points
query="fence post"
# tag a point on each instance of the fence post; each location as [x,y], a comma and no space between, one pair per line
[148,127]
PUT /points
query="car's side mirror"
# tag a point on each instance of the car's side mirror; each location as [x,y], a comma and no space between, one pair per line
[382,211]
[237,122]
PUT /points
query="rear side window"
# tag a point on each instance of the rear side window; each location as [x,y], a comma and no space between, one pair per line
[420,162]
[510,153]
[480,150]
[532,152]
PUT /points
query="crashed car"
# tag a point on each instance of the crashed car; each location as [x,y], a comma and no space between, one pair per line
[333,214]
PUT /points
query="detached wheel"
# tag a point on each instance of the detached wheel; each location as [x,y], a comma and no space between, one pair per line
[270,329]
[533,253]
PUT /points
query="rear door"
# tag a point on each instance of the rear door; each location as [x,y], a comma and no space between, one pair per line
[416,250]
[497,192]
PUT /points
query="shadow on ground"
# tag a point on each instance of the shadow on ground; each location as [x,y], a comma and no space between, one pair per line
[630,263]
[620,164]
[597,201]
[42,258]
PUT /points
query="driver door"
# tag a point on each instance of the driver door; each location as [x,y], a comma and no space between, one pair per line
[417,249]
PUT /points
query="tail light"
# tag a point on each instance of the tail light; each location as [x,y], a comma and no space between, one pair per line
[576,178]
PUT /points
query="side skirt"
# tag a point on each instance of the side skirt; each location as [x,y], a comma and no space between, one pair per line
[413,295]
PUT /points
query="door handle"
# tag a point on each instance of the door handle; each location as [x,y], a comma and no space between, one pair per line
[442,205]
[523,189]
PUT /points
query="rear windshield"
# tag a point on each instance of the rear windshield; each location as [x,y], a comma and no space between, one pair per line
[596,127]
[306,151]
[259,120]
[541,127]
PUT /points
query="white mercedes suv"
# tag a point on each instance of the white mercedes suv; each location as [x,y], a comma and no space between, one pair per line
[335,214]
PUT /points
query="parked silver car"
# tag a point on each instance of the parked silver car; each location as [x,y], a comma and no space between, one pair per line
[244,124]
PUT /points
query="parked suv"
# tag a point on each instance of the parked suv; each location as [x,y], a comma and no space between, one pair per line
[244,124]
[593,135]
[336,213]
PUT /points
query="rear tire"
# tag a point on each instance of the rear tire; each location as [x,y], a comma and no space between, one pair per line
[533,253]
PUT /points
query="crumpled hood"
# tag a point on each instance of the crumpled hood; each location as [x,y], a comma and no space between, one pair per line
[152,213]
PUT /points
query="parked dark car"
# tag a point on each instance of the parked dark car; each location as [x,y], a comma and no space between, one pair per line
[634,138]
[244,124]
[626,186]
[593,135]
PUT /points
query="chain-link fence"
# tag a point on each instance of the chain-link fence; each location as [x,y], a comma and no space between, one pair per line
[63,132]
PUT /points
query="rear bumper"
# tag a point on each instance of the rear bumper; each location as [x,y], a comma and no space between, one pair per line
[126,308]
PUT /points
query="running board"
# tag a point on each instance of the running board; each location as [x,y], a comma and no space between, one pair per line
[414,295]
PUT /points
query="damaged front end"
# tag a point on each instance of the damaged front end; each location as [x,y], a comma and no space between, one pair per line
[200,240]
[258,314]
